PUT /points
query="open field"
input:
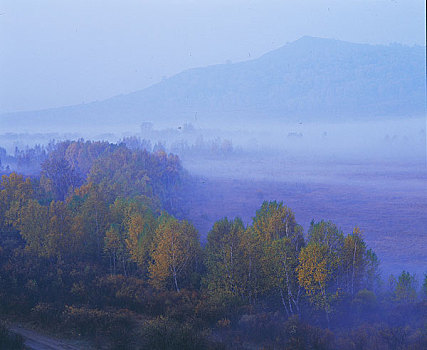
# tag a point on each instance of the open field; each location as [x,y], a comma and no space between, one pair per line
[388,202]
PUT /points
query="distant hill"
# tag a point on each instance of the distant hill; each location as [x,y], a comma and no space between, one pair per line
[309,79]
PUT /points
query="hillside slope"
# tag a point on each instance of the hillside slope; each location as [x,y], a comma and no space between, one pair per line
[308,79]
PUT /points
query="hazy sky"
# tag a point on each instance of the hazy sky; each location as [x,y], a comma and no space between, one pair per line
[62,52]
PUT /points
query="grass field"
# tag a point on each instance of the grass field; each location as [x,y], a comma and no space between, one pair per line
[388,201]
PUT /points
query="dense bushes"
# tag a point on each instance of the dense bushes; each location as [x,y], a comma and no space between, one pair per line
[10,340]
[164,333]
[114,326]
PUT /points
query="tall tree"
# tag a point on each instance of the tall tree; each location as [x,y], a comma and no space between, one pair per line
[33,224]
[91,218]
[280,240]
[61,242]
[283,262]
[373,275]
[406,288]
[328,235]
[274,221]
[61,177]
[175,247]
[115,248]
[136,223]
[353,261]
[314,274]
[225,260]
[15,192]
[141,228]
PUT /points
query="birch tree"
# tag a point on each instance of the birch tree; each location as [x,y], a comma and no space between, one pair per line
[314,274]
[175,247]
[224,259]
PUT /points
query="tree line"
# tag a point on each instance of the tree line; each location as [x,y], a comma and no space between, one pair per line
[91,244]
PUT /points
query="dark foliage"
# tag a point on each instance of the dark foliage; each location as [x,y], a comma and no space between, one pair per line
[10,340]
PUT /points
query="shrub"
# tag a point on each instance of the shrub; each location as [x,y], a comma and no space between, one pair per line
[114,325]
[164,333]
[46,314]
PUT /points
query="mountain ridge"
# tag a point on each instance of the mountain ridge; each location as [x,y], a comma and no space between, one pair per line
[308,79]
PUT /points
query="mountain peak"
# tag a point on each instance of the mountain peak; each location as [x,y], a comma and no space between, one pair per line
[309,79]
[309,38]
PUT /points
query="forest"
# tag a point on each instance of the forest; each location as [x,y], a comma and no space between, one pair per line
[95,243]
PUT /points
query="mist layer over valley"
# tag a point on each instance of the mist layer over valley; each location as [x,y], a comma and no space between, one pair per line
[322,116]
[369,173]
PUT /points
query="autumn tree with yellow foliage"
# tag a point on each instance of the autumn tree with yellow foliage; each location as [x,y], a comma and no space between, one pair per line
[314,275]
[175,249]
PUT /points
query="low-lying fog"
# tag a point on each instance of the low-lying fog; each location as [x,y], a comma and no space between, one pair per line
[383,140]
[371,174]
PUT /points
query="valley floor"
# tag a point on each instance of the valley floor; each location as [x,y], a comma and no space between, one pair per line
[388,202]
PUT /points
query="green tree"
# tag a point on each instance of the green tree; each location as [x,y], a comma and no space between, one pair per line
[91,218]
[225,260]
[373,276]
[274,221]
[134,220]
[283,275]
[328,234]
[115,248]
[406,288]
[281,240]
[254,281]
